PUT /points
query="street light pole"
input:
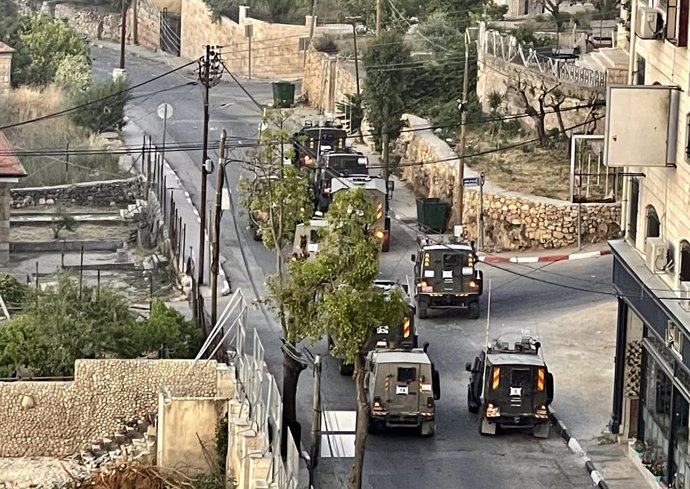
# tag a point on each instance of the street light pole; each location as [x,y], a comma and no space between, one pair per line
[123,33]
[460,171]
[215,244]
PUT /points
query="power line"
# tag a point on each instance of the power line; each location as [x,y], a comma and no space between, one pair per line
[107,97]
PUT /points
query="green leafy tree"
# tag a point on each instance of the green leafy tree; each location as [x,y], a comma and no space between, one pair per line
[168,333]
[13,291]
[348,308]
[280,197]
[74,72]
[103,106]
[61,324]
[43,44]
[386,62]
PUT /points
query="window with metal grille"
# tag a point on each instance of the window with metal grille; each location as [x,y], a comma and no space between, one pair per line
[684,274]
[653,224]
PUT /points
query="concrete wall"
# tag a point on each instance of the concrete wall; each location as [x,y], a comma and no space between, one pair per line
[185,428]
[57,419]
[4,223]
[667,189]
[99,194]
[494,74]
[97,23]
[328,80]
[275,47]
[521,8]
[513,221]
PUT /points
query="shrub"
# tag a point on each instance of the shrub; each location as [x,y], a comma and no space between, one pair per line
[103,106]
[325,44]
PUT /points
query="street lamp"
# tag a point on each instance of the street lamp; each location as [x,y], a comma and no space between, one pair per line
[353,21]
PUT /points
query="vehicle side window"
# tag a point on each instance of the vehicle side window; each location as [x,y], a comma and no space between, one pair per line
[407,374]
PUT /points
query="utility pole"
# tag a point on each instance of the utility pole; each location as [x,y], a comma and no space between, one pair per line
[135,22]
[312,28]
[460,171]
[378,17]
[123,34]
[315,421]
[209,75]
[220,177]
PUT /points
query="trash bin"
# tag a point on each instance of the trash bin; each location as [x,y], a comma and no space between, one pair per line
[432,214]
[283,94]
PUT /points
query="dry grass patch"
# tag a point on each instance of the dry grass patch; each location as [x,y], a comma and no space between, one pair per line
[55,134]
[82,231]
[527,168]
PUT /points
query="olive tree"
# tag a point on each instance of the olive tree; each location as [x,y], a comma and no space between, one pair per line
[279,198]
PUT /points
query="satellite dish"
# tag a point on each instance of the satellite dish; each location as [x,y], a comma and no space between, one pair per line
[165,111]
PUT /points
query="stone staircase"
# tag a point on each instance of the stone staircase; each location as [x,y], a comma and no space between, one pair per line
[134,439]
[612,61]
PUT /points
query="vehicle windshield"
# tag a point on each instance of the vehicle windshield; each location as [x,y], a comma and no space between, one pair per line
[333,137]
[314,236]
[346,165]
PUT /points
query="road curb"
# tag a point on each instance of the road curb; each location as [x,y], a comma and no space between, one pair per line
[541,259]
[576,448]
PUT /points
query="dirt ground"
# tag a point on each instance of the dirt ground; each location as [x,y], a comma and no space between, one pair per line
[83,231]
[527,168]
[38,472]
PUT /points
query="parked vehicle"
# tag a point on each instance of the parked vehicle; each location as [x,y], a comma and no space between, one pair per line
[511,386]
[402,387]
[446,276]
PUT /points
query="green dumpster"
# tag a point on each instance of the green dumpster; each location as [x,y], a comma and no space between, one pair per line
[283,94]
[432,214]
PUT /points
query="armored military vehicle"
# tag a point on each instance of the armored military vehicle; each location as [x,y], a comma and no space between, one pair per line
[314,139]
[307,237]
[510,386]
[402,388]
[446,276]
[402,336]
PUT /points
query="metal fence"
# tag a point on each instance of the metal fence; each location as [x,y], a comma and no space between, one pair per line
[507,47]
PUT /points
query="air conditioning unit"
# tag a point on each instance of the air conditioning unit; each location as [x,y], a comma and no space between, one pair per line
[656,254]
[650,23]
[684,295]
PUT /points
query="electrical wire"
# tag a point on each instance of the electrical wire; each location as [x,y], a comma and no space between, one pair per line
[101,99]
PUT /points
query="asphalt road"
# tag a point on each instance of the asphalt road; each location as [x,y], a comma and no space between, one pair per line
[457,457]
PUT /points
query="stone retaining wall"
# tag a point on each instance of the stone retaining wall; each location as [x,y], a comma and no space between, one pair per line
[329,80]
[96,194]
[513,221]
[98,23]
[56,419]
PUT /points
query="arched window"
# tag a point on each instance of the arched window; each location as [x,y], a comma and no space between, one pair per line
[653,224]
[684,274]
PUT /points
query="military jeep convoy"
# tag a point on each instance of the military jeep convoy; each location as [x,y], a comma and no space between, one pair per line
[509,386]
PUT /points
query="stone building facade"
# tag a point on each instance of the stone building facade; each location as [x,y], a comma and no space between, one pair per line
[11,170]
[651,274]
[6,53]
[56,419]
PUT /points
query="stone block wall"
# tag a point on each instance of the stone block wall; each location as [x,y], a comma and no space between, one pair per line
[494,74]
[97,23]
[4,223]
[512,220]
[97,194]
[56,419]
[275,47]
[329,80]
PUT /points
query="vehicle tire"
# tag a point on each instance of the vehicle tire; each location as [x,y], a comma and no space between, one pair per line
[486,428]
[428,428]
[474,310]
[422,309]
[373,426]
[542,430]
[472,405]
[346,368]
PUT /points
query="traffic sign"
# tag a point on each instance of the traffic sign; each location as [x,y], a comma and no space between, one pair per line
[471,182]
